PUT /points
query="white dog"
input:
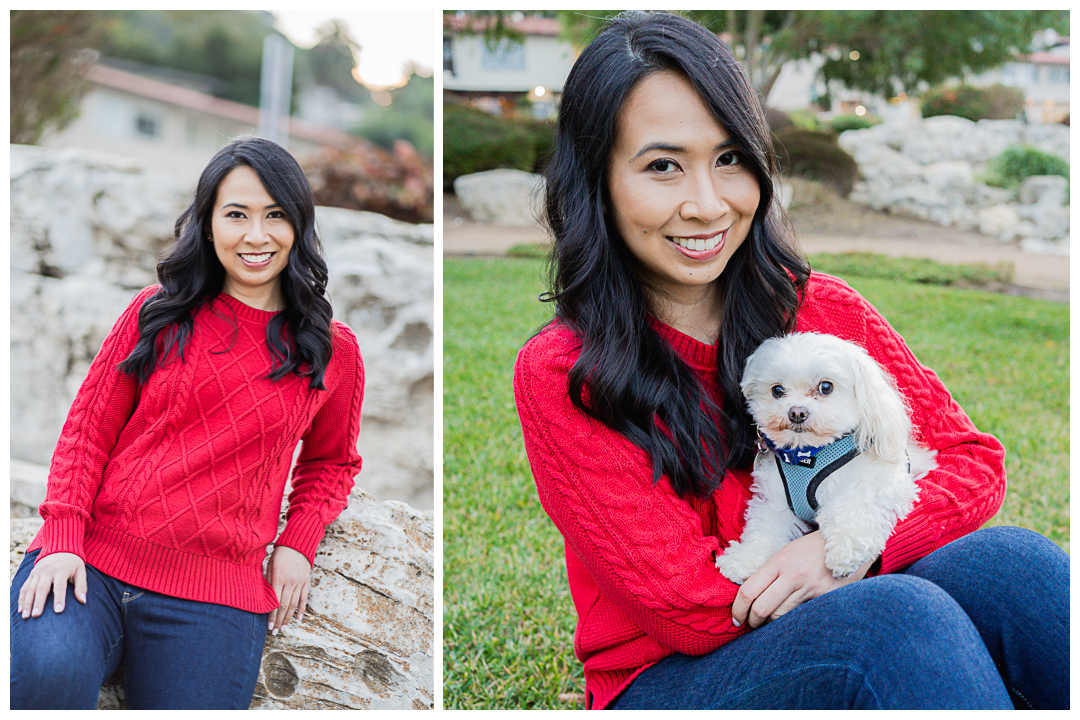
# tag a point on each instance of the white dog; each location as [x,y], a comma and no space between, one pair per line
[835,451]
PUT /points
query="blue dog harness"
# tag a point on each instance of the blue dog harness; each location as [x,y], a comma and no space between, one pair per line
[804,469]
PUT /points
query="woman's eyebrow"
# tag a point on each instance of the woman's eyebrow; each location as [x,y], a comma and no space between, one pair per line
[245,207]
[668,147]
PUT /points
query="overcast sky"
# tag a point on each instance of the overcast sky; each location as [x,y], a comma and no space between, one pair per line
[389,39]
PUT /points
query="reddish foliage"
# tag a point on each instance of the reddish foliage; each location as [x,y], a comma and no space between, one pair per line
[366,177]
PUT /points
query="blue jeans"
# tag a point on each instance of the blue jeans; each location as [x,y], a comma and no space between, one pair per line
[981,623]
[177,654]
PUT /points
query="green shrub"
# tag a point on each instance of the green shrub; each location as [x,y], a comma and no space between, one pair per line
[843,123]
[803,119]
[997,102]
[816,156]
[1019,162]
[474,141]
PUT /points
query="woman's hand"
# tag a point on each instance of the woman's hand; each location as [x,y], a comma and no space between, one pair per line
[792,576]
[289,573]
[52,573]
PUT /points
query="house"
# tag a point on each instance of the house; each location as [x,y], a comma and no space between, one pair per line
[1043,75]
[170,127]
[504,76]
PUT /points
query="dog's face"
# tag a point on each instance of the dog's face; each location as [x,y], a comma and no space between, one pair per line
[809,389]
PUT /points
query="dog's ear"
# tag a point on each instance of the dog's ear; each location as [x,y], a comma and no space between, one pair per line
[884,424]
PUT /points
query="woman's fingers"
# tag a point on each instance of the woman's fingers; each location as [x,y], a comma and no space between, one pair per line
[749,592]
[80,584]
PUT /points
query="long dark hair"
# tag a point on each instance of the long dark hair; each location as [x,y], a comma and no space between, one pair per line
[627,376]
[299,337]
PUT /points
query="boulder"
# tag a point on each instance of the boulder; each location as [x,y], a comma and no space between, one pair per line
[1050,190]
[501,197]
[367,638]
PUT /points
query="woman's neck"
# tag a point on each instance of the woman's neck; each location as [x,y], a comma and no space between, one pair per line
[695,312]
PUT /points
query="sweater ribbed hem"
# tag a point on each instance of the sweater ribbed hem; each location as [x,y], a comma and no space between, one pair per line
[245,311]
[60,535]
[176,573]
[303,533]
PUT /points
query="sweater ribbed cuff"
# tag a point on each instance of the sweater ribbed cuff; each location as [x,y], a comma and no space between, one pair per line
[912,540]
[63,534]
[303,533]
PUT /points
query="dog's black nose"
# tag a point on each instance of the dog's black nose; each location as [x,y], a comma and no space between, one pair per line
[798,414]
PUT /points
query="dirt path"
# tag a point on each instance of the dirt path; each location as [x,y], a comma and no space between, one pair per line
[829,224]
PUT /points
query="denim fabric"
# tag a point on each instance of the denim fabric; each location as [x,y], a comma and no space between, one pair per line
[981,623]
[176,654]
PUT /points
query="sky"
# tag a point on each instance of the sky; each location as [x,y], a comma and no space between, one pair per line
[389,39]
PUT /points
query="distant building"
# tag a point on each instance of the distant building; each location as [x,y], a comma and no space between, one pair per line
[1043,76]
[170,127]
[500,78]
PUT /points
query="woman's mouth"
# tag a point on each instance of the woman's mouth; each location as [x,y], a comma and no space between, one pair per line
[256,260]
[700,247]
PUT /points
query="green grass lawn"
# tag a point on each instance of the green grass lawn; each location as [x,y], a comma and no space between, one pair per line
[508,620]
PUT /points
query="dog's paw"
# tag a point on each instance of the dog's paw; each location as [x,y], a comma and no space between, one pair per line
[737,564]
[842,563]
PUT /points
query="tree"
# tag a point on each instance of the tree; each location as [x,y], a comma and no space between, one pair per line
[49,51]
[880,51]
[333,58]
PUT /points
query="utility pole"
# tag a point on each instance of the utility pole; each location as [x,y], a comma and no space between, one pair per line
[275,91]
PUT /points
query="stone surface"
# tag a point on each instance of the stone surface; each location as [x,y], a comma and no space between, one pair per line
[501,197]
[931,170]
[367,638]
[76,264]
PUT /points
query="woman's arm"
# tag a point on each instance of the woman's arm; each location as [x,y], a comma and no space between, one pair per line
[328,458]
[646,550]
[102,407]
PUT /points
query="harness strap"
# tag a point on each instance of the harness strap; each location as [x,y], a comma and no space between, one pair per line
[805,504]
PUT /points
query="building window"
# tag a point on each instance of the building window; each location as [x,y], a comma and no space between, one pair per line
[448,54]
[1057,74]
[505,56]
[146,125]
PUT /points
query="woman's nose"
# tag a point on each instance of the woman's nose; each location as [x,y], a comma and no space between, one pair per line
[704,201]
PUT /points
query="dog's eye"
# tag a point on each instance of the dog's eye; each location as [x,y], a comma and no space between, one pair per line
[825,387]
[778,391]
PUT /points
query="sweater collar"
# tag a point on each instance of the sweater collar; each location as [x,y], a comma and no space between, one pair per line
[696,353]
[245,311]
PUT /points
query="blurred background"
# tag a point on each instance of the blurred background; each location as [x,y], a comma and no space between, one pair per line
[114,114]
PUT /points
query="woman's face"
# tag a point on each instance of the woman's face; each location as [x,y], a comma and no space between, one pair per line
[252,237]
[681,195]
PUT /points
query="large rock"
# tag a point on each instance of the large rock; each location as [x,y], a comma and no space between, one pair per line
[501,197]
[932,169]
[367,638]
[77,263]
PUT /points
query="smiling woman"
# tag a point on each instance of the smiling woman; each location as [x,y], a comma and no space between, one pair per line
[672,263]
[166,483]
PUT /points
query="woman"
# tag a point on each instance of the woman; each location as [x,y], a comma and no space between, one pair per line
[672,262]
[167,480]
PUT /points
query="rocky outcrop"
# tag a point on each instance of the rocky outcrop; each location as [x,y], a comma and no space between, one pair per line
[931,169]
[501,197]
[86,234]
[366,641]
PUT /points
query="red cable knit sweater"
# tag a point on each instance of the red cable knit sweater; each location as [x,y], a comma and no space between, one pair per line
[176,486]
[640,561]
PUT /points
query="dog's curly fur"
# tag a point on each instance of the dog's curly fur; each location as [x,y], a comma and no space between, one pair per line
[859,504]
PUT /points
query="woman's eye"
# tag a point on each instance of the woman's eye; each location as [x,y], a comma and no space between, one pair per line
[778,391]
[825,387]
[663,166]
[276,214]
[731,157]
[235,214]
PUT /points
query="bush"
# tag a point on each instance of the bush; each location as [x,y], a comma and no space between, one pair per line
[778,119]
[1019,162]
[398,184]
[996,102]
[474,141]
[816,156]
[843,123]
[804,119]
